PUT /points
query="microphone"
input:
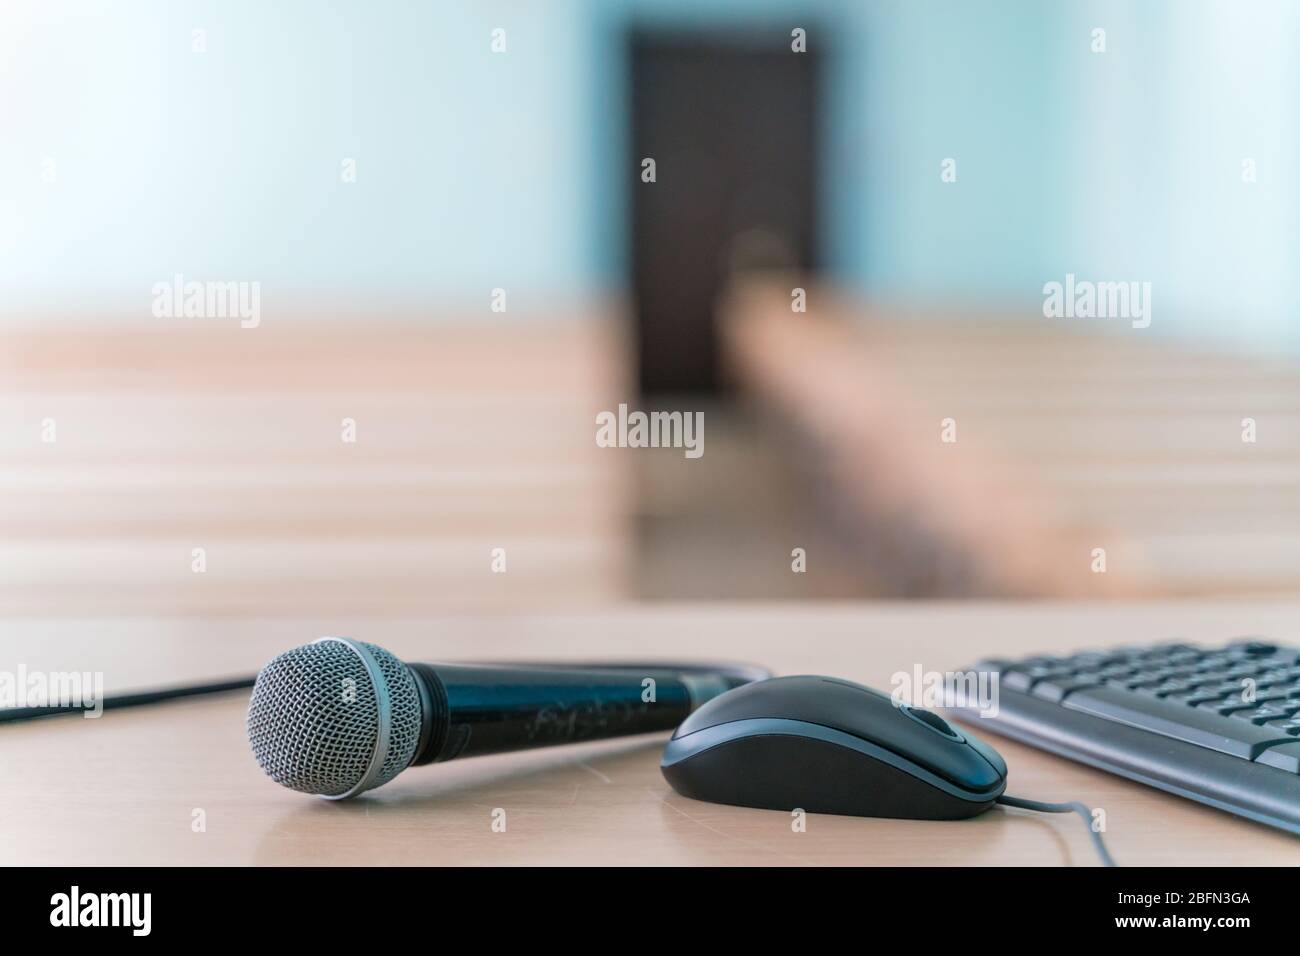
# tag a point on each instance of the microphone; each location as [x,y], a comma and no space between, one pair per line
[337,717]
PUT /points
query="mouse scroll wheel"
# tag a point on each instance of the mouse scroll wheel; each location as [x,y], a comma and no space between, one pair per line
[931,719]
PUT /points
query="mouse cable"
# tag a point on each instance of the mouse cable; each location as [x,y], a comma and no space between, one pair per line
[1079,808]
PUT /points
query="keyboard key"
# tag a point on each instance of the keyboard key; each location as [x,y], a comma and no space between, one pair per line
[1022,679]
[1168,687]
[1203,728]
[1243,671]
[1267,695]
[1263,715]
[1193,698]
[1089,659]
[1227,705]
[1016,680]
[1057,689]
[1253,648]
[1117,675]
[1166,649]
[1214,662]
[1149,678]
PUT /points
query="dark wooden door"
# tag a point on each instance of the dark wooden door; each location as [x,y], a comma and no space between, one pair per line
[732,127]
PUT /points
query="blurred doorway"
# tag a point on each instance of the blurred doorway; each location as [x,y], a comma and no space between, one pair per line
[731,126]
[731,121]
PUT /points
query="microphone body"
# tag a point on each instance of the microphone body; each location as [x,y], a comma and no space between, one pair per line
[473,709]
[337,717]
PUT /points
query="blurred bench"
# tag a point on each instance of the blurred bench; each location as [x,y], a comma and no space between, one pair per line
[1069,438]
[470,435]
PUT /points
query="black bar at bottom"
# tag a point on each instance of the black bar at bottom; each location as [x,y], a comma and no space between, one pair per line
[971,907]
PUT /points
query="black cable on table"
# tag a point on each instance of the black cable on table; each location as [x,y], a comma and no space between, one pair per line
[1079,808]
[131,699]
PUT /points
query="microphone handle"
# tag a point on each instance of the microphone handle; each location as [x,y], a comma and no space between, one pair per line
[475,709]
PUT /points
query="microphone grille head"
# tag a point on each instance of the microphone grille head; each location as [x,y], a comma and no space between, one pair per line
[334,717]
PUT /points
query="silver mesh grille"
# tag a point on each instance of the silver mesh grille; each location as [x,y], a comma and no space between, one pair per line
[313,719]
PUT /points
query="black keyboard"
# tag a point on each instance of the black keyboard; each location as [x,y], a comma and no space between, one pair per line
[1217,725]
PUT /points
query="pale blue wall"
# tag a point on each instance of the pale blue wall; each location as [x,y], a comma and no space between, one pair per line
[471,167]
[478,170]
[1151,141]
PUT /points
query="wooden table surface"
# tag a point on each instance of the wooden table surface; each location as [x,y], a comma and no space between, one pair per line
[124,789]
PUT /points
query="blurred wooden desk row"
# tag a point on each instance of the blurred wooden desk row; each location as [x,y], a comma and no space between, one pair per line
[478,435]
[123,448]
[124,788]
[1061,439]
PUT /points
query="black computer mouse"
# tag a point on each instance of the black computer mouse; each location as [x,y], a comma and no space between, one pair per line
[831,746]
